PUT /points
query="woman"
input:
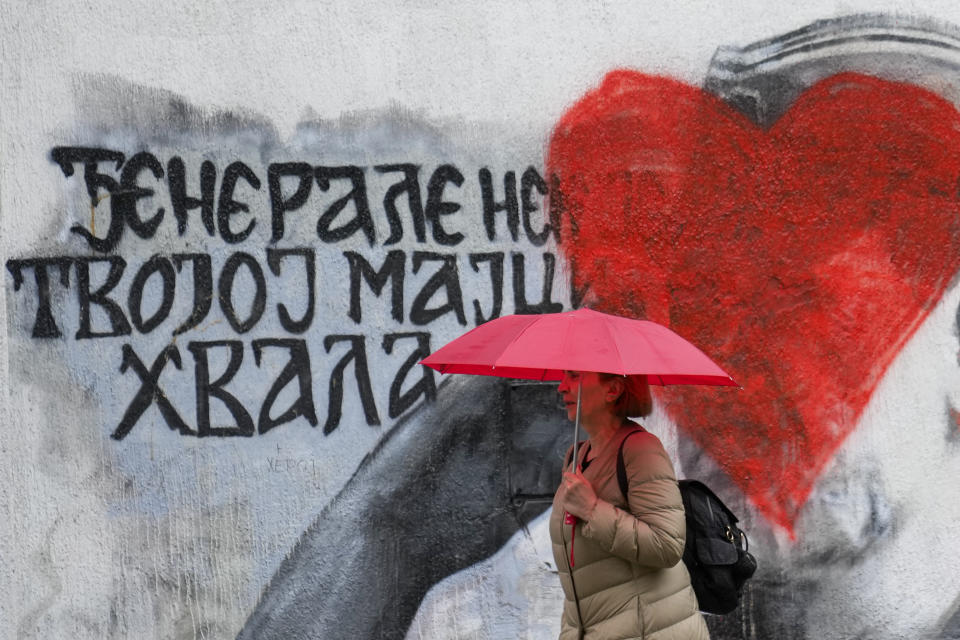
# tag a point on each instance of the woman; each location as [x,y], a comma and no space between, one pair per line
[623,577]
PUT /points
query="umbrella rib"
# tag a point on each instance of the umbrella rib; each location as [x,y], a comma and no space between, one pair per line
[515,338]
[613,340]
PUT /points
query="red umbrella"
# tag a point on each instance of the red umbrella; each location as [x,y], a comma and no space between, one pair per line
[542,347]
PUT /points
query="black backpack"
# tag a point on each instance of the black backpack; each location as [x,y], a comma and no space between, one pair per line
[716,549]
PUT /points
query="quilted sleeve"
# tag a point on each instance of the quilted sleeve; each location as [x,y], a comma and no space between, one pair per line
[652,533]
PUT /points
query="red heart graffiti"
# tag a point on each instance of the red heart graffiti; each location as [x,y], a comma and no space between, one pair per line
[802,258]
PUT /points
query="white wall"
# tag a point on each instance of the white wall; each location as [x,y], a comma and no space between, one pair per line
[161,534]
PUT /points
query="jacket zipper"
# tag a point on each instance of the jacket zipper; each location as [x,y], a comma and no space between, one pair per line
[573,583]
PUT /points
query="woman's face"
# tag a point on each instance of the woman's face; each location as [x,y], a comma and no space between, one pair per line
[596,397]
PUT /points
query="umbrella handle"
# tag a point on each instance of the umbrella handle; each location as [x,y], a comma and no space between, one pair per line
[569,518]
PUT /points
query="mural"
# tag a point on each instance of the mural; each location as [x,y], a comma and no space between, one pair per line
[203,288]
[221,326]
[261,306]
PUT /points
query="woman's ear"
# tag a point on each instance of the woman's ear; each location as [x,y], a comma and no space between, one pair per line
[616,387]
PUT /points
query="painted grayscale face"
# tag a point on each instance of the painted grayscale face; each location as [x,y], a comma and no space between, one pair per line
[880,517]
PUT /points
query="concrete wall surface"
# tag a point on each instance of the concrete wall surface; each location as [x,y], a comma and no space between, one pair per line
[230,231]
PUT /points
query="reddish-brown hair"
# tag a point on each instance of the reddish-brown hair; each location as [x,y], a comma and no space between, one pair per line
[635,401]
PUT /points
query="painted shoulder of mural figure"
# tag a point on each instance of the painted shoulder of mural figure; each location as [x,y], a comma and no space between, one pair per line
[446,488]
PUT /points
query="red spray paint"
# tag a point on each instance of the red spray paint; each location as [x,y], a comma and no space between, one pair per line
[802,258]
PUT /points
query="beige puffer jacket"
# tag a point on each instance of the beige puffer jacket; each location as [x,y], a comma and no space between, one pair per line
[628,574]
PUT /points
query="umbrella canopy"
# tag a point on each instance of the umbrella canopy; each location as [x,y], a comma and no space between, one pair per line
[542,347]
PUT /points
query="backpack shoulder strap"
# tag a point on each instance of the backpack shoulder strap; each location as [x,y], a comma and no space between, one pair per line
[622,466]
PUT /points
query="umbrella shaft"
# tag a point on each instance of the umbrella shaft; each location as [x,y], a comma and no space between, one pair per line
[576,428]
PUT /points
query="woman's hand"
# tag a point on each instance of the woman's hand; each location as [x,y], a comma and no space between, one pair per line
[578,497]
